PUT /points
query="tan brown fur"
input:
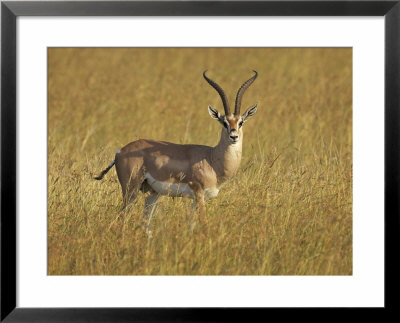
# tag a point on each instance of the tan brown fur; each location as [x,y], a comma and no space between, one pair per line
[197,171]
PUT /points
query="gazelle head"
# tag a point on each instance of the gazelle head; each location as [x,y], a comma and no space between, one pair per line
[232,122]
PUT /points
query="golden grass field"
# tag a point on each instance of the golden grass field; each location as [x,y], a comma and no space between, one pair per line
[288,211]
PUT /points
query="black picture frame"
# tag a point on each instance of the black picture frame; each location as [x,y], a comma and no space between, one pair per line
[10,10]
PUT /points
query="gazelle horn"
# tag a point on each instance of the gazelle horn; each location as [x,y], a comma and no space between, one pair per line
[220,91]
[243,88]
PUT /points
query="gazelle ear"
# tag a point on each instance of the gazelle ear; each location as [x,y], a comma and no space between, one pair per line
[214,113]
[249,113]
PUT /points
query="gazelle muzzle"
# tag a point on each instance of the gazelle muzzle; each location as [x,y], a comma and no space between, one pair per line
[234,135]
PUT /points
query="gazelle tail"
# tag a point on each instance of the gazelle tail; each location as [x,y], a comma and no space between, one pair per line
[100,177]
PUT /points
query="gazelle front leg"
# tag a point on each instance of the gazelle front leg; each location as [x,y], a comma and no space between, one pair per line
[150,206]
[199,201]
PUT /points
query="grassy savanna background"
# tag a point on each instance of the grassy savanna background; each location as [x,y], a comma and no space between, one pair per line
[287,212]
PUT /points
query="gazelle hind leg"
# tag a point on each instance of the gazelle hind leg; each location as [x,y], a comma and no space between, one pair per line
[129,199]
[192,222]
[130,189]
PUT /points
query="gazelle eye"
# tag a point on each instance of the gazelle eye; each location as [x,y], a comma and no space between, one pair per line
[240,124]
[225,125]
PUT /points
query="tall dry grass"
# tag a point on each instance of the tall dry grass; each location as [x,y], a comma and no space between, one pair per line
[287,212]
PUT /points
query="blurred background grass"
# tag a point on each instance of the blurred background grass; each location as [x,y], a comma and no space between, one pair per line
[287,212]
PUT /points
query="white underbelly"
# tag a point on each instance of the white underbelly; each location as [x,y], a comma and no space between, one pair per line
[170,189]
[176,190]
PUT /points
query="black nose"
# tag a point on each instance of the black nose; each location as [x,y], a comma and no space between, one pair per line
[234,137]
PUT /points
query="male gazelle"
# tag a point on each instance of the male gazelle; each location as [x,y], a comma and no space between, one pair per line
[195,171]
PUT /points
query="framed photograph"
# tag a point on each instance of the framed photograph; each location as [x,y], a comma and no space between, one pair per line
[197,161]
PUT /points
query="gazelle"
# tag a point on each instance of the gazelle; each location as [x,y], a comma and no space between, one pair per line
[194,171]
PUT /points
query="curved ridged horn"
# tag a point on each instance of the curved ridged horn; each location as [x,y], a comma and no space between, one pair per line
[243,88]
[220,92]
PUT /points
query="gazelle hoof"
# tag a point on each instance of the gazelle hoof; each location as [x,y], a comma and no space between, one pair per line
[192,225]
[147,228]
[149,232]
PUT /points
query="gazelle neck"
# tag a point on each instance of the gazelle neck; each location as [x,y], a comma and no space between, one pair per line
[226,156]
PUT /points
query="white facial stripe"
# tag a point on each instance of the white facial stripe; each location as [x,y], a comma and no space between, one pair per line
[226,124]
